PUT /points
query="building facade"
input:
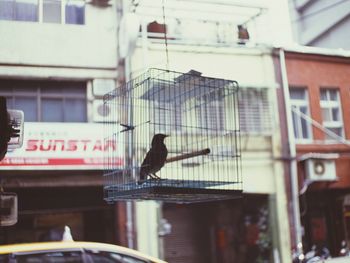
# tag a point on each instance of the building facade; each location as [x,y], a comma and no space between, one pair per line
[60,58]
[318,96]
[320,23]
[255,226]
[57,60]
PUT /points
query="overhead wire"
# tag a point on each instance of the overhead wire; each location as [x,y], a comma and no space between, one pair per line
[165,36]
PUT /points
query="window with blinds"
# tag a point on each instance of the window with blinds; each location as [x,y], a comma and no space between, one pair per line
[211,111]
[167,116]
[254,111]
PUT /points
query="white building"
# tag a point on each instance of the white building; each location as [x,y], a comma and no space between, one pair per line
[57,59]
[206,41]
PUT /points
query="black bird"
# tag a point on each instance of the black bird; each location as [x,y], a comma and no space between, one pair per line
[155,158]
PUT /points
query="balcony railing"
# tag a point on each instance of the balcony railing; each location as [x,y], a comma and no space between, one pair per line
[202,23]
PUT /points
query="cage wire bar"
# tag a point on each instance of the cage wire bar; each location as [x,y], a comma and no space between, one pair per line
[200,116]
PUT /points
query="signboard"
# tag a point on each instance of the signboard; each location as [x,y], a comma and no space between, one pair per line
[65,146]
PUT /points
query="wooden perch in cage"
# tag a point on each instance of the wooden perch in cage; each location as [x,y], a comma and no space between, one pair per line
[188,155]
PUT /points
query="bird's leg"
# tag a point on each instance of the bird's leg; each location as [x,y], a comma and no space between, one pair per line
[155,176]
[141,181]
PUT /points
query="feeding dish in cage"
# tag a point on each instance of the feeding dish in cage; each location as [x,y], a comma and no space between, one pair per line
[200,115]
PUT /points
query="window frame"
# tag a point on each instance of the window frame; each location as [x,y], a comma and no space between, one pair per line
[40,13]
[38,94]
[211,113]
[330,104]
[247,98]
[15,255]
[166,116]
[305,102]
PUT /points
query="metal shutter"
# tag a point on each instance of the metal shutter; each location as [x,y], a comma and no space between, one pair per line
[189,239]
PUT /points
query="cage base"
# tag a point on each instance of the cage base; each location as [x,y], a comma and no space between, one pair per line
[172,195]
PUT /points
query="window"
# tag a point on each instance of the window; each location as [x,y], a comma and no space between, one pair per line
[20,10]
[331,111]
[75,12]
[211,111]
[47,101]
[254,111]
[300,109]
[110,257]
[52,11]
[167,116]
[47,11]
[51,257]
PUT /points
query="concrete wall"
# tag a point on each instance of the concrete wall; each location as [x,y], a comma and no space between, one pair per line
[92,45]
[251,67]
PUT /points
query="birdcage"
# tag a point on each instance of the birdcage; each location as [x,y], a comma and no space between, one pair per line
[198,114]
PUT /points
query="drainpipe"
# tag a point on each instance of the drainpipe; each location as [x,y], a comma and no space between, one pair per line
[129,204]
[130,141]
[293,160]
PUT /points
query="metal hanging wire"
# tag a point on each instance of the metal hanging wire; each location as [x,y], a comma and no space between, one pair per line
[165,36]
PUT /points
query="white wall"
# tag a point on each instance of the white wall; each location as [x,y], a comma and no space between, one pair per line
[147,227]
[43,44]
[251,67]
[245,65]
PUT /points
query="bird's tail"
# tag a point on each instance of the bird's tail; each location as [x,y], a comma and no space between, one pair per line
[142,175]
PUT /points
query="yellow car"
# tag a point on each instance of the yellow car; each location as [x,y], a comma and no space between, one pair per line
[72,252]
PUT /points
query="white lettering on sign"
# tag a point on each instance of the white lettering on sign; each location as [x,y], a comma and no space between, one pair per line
[65,146]
[70,145]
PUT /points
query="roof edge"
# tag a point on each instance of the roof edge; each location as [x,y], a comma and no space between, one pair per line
[316,50]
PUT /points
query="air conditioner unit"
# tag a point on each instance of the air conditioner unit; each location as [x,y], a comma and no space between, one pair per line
[101,112]
[320,170]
